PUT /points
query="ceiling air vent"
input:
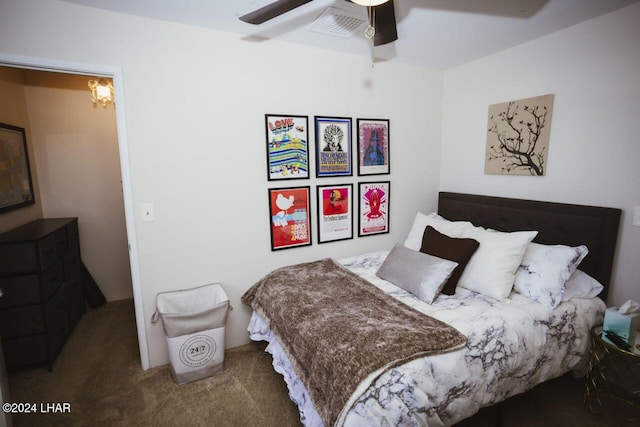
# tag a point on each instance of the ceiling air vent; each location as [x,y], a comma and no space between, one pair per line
[338,22]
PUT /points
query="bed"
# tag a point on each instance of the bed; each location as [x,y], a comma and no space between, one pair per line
[444,356]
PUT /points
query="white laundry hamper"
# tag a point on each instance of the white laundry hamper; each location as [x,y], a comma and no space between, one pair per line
[194,322]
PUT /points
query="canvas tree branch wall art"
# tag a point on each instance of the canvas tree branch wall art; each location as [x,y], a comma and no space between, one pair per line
[518,136]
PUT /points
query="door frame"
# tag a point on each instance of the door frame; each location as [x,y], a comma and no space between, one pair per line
[114,73]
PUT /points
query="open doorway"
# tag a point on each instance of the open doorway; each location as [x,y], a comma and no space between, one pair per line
[75,147]
[39,84]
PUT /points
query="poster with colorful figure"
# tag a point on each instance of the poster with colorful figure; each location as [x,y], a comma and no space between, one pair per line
[335,212]
[374,208]
[373,147]
[287,147]
[333,146]
[289,217]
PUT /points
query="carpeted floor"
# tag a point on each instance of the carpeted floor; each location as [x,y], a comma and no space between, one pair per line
[98,373]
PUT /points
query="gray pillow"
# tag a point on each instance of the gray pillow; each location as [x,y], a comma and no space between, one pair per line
[421,274]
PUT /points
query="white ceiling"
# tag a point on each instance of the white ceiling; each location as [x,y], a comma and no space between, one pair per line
[434,33]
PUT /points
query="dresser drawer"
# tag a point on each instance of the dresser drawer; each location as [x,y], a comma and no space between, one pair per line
[52,279]
[73,236]
[25,351]
[57,315]
[31,257]
[51,248]
[35,246]
[15,322]
[25,290]
[18,258]
[40,277]
[72,265]
[20,290]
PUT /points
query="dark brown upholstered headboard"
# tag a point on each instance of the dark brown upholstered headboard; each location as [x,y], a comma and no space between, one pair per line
[557,223]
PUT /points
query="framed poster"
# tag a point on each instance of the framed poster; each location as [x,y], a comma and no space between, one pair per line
[16,188]
[287,147]
[335,212]
[289,217]
[518,136]
[333,146]
[374,208]
[373,147]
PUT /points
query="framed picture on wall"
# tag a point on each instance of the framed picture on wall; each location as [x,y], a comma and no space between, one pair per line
[335,212]
[518,136]
[289,217]
[16,187]
[333,146]
[373,147]
[373,215]
[287,147]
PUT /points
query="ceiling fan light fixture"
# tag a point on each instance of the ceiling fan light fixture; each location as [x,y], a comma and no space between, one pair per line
[369,2]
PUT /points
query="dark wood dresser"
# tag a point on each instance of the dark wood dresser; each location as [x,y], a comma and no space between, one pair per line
[42,295]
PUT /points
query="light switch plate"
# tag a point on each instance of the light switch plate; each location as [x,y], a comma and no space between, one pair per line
[148,214]
[636,216]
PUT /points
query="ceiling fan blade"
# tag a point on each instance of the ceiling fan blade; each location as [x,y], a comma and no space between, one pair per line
[272,10]
[384,22]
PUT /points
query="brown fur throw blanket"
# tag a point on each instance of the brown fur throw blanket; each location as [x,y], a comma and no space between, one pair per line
[337,328]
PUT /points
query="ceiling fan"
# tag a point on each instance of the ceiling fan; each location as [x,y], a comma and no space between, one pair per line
[382,17]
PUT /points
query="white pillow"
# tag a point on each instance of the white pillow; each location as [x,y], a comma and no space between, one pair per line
[545,270]
[581,285]
[491,270]
[444,226]
[421,274]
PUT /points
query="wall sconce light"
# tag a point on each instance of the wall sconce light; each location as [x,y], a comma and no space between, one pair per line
[101,91]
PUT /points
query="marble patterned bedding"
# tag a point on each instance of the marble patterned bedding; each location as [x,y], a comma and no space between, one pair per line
[512,346]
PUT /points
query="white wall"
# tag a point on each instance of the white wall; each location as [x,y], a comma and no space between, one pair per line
[592,68]
[195,101]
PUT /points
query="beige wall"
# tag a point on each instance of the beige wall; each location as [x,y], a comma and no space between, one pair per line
[13,111]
